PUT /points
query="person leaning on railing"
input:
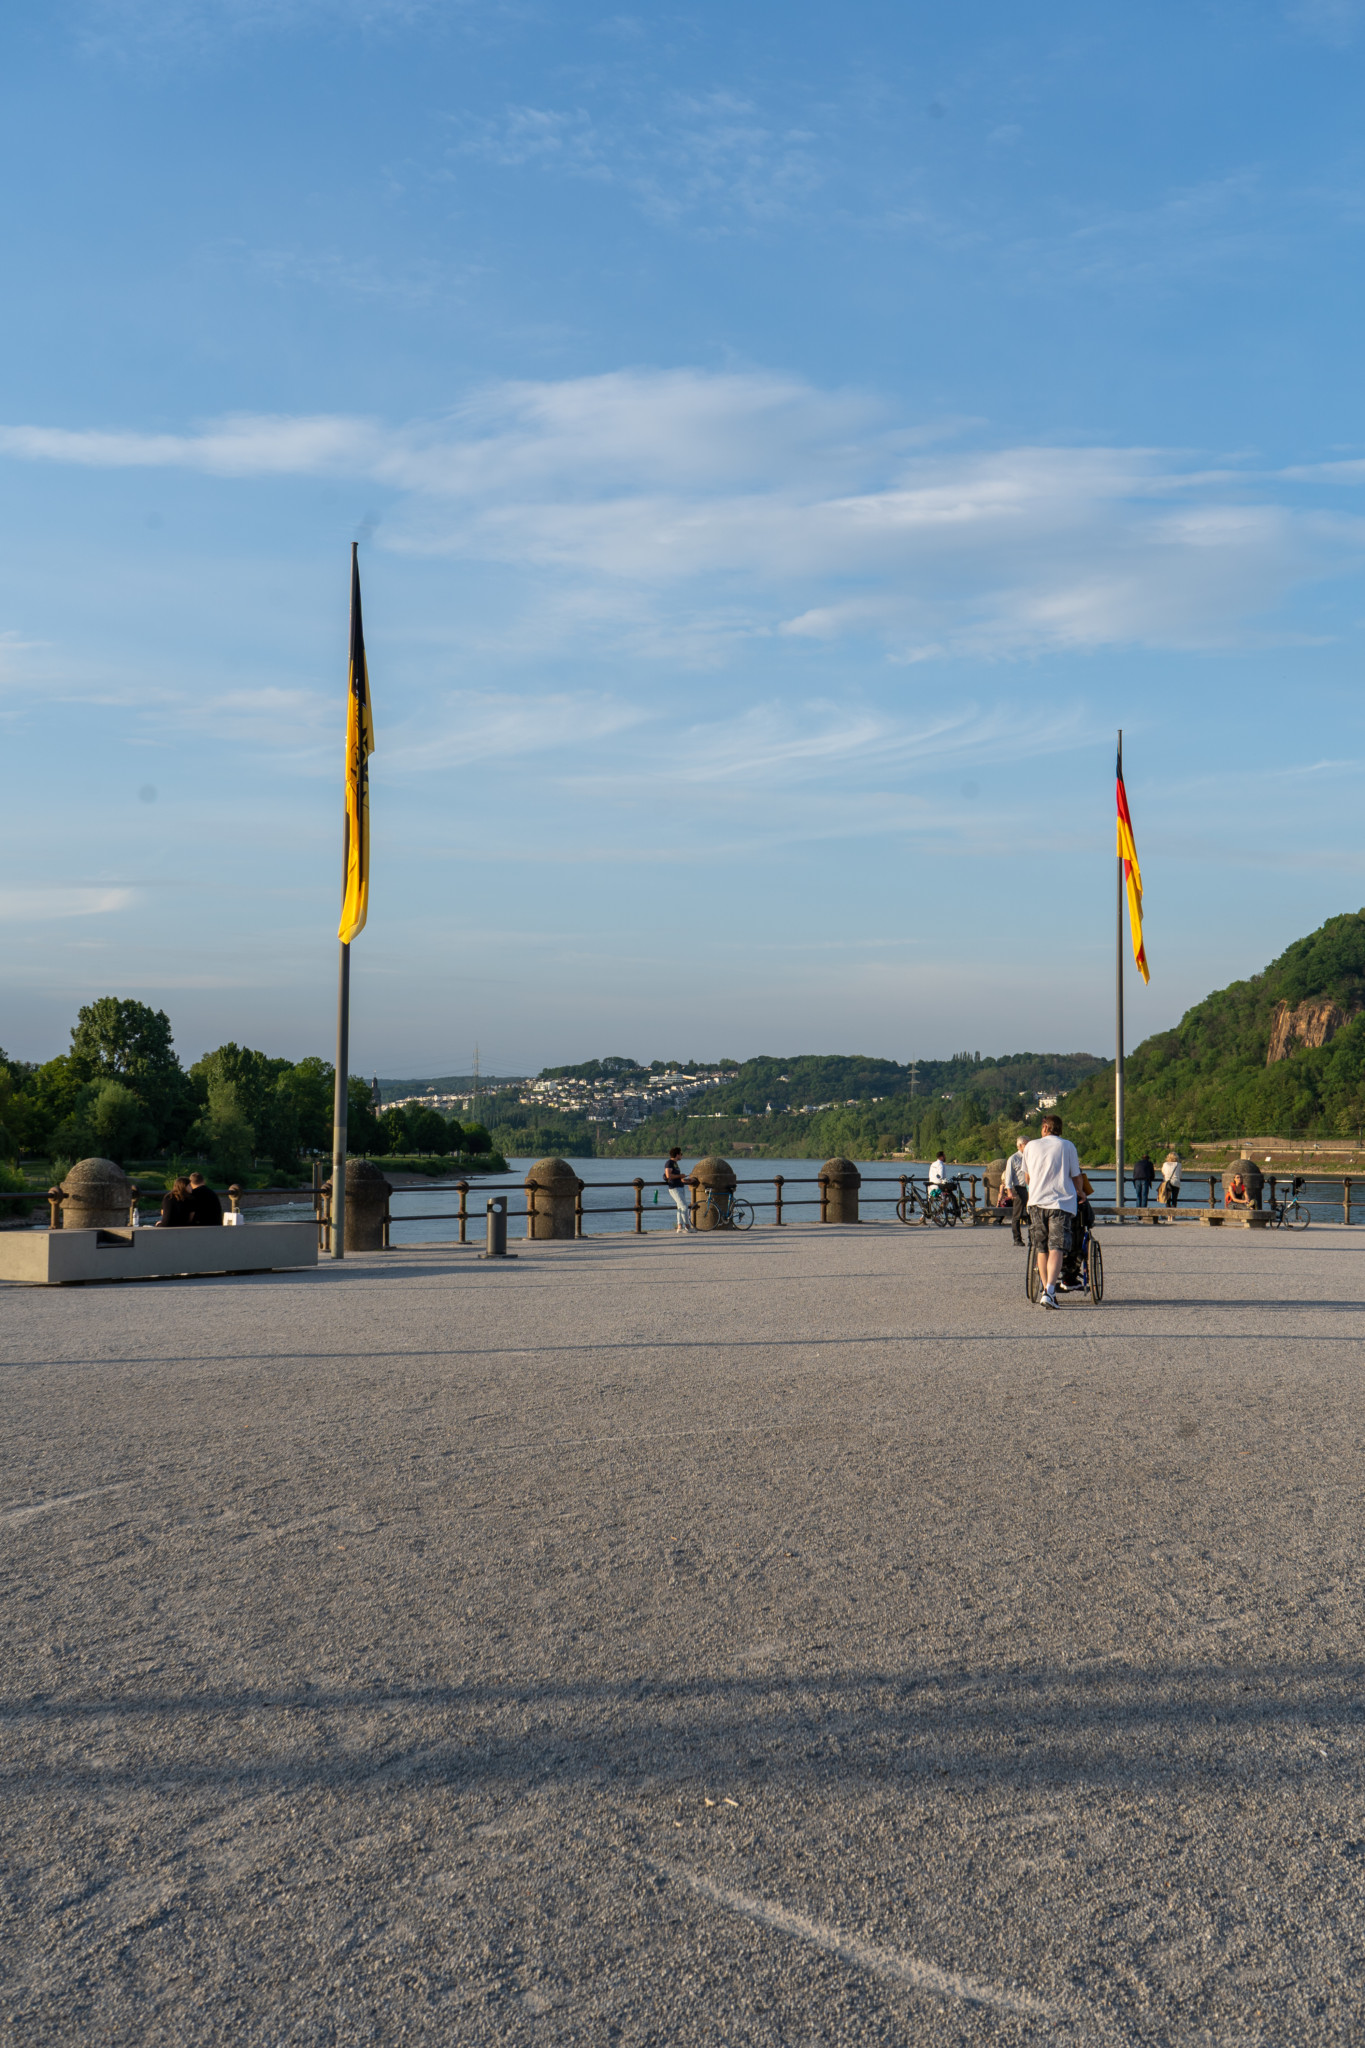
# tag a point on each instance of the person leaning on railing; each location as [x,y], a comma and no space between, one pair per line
[676,1183]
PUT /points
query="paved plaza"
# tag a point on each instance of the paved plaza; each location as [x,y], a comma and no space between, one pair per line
[792,1638]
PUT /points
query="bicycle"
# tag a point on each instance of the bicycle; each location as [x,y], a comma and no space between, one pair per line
[943,1204]
[1092,1271]
[1290,1213]
[729,1210]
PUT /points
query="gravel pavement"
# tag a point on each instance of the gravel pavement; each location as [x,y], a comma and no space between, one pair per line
[791,1638]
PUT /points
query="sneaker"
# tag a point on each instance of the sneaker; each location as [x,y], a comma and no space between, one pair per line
[1047,1299]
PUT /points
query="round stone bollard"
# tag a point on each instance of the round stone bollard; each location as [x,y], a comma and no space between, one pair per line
[97,1196]
[712,1175]
[993,1176]
[839,1181]
[552,1198]
[367,1204]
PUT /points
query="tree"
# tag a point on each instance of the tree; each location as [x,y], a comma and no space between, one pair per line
[308,1088]
[115,1039]
[259,1094]
[119,1037]
[363,1132]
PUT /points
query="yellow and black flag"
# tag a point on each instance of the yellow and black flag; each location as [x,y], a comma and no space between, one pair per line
[1132,875]
[359,747]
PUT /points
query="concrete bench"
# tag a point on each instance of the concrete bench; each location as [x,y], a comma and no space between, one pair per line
[71,1258]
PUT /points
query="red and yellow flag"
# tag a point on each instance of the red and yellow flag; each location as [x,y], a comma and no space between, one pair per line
[1132,875]
[359,746]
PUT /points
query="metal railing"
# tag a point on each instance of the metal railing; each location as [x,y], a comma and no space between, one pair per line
[909,1201]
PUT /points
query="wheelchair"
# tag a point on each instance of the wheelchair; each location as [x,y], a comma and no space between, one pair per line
[1092,1270]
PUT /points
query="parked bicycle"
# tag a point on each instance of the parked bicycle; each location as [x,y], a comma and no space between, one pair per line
[728,1210]
[943,1204]
[1289,1213]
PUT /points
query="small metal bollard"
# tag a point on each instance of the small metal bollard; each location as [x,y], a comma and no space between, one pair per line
[496,1242]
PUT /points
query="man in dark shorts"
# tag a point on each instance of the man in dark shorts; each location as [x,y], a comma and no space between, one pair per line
[1053,1166]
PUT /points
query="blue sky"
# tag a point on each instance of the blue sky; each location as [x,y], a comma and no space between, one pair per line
[784,442]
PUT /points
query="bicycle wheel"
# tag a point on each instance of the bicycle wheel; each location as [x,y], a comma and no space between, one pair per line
[1096,1257]
[1298,1217]
[741,1214]
[952,1208]
[1033,1281]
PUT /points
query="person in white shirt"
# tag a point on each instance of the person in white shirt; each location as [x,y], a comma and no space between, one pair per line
[1170,1178]
[1016,1181]
[938,1172]
[1052,1166]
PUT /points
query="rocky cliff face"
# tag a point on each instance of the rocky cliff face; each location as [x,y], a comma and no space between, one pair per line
[1315,1022]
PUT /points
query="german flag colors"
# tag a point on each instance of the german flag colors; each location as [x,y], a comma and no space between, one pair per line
[359,747]
[1132,874]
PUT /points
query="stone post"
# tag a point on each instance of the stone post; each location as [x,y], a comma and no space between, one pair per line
[552,1189]
[839,1181]
[367,1201]
[710,1175]
[97,1195]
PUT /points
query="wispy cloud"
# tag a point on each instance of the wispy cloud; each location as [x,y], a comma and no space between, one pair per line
[655,500]
[469,726]
[713,160]
[35,905]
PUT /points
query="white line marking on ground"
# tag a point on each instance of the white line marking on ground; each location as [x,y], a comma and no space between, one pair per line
[882,1962]
[60,1500]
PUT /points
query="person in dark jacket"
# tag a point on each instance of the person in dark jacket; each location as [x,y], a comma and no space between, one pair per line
[1144,1173]
[205,1206]
[175,1209]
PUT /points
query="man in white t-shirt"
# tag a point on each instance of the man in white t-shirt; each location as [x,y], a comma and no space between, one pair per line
[1052,1165]
[938,1171]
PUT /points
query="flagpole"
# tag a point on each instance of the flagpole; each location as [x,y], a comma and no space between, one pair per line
[1118,1022]
[340,1105]
[340,1093]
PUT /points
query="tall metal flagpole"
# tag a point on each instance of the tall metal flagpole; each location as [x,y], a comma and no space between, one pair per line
[1118,1022]
[340,1105]
[340,1101]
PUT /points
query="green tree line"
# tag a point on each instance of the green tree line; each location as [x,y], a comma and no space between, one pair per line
[120,1092]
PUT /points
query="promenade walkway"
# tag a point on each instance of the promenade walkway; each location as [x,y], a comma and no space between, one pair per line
[783,1639]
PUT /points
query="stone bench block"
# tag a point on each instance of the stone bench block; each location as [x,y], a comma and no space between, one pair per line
[68,1258]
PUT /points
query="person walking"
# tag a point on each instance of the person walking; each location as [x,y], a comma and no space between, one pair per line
[1170,1178]
[205,1206]
[1015,1182]
[1144,1173]
[1053,1166]
[676,1183]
